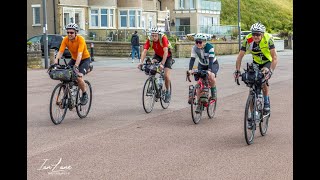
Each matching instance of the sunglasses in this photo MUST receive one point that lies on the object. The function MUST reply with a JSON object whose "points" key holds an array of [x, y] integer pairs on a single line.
{"points": [[198, 42], [70, 32], [256, 34]]}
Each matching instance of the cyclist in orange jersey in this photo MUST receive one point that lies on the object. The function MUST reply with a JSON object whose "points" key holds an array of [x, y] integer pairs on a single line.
{"points": [[80, 56]]}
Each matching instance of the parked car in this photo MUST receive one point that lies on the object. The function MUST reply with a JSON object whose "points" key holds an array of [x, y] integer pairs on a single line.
{"points": [[54, 42]]}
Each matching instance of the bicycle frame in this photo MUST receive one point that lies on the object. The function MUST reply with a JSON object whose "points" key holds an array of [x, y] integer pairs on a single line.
{"points": [[152, 88], [69, 99], [203, 83]]}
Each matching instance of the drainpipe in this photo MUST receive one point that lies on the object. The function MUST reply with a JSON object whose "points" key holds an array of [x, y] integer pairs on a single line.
{"points": [[54, 17], [157, 12], [159, 4]]}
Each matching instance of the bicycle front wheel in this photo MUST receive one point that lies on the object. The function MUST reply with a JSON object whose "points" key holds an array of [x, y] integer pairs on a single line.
{"points": [[249, 120], [164, 104], [211, 109], [148, 95], [196, 115], [83, 109], [58, 103]]}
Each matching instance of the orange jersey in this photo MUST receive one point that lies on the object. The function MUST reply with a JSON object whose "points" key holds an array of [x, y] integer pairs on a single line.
{"points": [[75, 46]]}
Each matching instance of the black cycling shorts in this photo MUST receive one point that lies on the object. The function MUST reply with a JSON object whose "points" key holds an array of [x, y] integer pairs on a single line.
{"points": [[214, 69], [168, 63], [83, 66], [267, 64]]}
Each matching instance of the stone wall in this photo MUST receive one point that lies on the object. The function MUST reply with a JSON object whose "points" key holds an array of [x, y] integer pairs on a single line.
{"points": [[183, 49], [34, 60]]}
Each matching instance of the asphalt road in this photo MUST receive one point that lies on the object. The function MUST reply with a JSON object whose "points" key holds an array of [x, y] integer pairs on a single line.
{"points": [[118, 140]]}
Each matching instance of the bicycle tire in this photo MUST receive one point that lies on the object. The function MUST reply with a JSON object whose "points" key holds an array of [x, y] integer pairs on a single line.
{"points": [[148, 91], [196, 117], [249, 132], [165, 105], [83, 110], [212, 106], [61, 105]]}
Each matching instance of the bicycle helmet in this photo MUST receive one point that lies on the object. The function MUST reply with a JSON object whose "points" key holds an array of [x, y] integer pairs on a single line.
{"points": [[155, 30], [258, 27], [72, 26], [200, 37]]}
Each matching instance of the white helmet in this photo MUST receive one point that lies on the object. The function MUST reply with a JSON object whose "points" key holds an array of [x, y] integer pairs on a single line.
{"points": [[200, 37], [258, 27], [72, 26], [155, 30]]}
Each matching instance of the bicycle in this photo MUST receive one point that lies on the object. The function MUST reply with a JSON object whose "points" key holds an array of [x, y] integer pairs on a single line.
{"points": [[154, 87], [202, 88], [254, 113], [66, 94]]}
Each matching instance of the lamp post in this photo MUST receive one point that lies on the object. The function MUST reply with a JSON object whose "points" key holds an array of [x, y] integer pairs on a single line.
{"points": [[239, 29], [45, 37]]}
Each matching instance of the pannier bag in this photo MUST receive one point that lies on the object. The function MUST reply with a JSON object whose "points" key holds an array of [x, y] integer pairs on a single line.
{"points": [[61, 74], [250, 77], [150, 69]]}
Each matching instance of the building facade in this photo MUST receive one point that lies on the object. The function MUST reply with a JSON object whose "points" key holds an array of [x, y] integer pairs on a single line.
{"points": [[116, 20]]}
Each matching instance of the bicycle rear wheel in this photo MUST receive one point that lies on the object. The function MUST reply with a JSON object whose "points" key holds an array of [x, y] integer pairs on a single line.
{"points": [[58, 103], [83, 110], [211, 109], [148, 95], [196, 116], [162, 97], [249, 120]]}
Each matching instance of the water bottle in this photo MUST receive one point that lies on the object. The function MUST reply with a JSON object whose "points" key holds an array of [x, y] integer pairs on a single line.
{"points": [[160, 81], [257, 116], [73, 93], [260, 101]]}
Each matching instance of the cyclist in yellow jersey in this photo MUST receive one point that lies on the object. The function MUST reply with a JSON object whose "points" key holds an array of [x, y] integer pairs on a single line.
{"points": [[80, 56], [260, 44]]}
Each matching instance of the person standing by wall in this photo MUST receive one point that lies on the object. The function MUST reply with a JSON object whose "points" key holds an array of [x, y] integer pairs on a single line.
{"points": [[135, 45]]}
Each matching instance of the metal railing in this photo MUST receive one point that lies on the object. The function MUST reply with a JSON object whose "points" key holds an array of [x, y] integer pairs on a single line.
{"points": [[124, 35]]}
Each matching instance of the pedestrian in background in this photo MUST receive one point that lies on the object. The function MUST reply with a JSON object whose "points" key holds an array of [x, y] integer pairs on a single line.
{"points": [[135, 45]]}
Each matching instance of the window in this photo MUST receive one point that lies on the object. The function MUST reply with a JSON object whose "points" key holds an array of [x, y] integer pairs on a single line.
{"points": [[130, 18], [181, 4], [123, 18], [36, 14], [139, 19], [101, 18], [210, 5], [186, 4], [111, 18], [104, 17], [94, 17]]}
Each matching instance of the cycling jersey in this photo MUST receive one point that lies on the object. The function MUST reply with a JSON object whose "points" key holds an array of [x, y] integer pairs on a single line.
{"points": [[207, 58], [260, 52], [158, 49], [203, 53], [76, 45]]}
